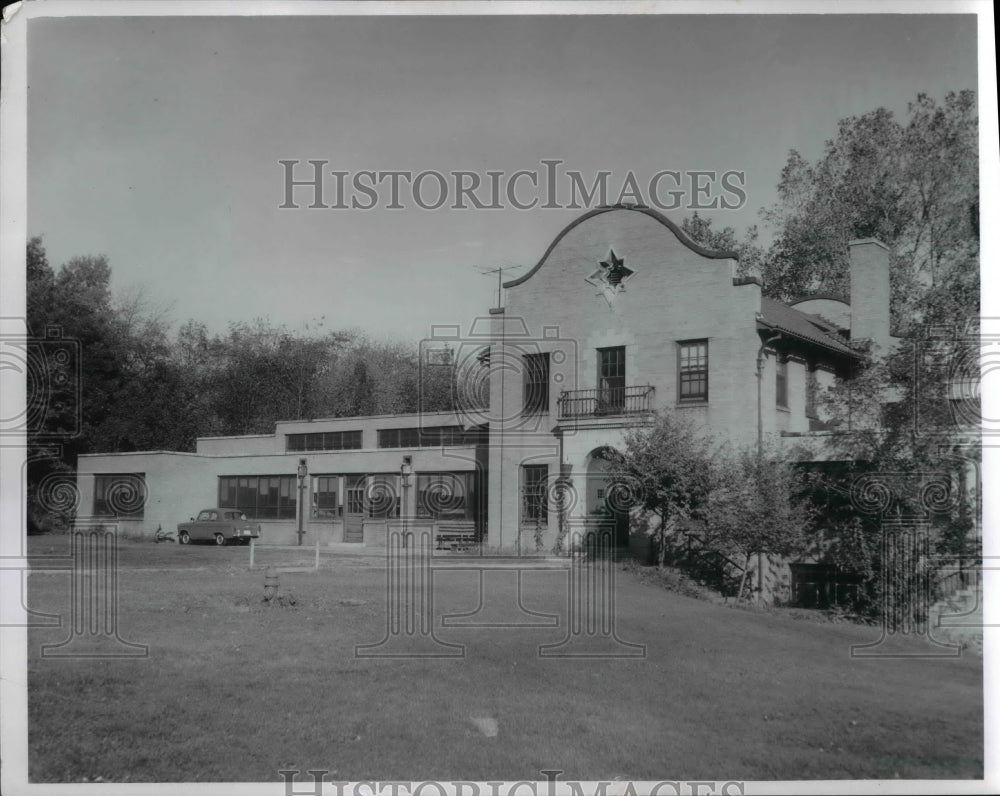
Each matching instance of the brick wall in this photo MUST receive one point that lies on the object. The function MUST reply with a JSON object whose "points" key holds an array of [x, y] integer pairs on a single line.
{"points": [[870, 292]]}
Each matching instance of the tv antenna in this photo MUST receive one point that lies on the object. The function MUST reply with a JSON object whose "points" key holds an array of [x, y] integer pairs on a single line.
{"points": [[499, 271]]}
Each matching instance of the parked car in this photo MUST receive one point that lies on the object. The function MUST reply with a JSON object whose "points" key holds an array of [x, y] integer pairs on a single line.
{"points": [[219, 525]]}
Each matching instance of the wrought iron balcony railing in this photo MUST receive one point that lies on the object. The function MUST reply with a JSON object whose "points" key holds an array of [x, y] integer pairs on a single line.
{"points": [[610, 401]]}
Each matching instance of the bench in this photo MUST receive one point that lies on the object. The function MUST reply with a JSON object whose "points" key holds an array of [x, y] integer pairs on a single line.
{"points": [[455, 535]]}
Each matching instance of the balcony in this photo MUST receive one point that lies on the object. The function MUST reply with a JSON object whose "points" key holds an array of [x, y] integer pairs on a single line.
{"points": [[607, 402]]}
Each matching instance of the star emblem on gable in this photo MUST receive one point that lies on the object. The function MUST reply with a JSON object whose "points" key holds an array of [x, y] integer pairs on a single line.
{"points": [[611, 276]]}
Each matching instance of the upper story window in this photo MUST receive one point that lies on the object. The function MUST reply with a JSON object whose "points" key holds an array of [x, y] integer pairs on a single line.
{"points": [[120, 495], [434, 437], [324, 441], [399, 438], [536, 383], [781, 382], [692, 370], [611, 377]]}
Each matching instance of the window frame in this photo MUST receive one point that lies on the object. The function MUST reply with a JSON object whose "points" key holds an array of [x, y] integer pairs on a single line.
{"points": [[696, 373], [467, 482], [394, 509], [430, 437], [103, 482], [611, 385], [781, 381], [234, 493], [354, 495], [534, 496], [331, 510], [348, 440]]}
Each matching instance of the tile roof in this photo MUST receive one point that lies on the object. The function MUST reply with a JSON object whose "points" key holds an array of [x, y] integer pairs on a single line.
{"points": [[775, 315], [827, 296]]}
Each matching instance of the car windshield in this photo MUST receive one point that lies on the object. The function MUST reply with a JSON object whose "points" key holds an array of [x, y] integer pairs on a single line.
{"points": [[205, 515]]}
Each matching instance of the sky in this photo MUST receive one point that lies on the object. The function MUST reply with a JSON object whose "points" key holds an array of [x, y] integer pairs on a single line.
{"points": [[156, 141]]}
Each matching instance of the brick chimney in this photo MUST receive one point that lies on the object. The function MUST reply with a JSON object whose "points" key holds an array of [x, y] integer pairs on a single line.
{"points": [[870, 292]]}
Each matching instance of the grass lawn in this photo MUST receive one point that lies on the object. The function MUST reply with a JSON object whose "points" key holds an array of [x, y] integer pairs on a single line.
{"points": [[235, 690]]}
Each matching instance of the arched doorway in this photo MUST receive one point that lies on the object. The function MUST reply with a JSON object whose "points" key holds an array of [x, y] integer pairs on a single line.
{"points": [[602, 498]]}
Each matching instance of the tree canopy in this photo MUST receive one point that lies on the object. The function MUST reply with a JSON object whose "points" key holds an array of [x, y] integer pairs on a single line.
{"points": [[690, 491], [913, 184]]}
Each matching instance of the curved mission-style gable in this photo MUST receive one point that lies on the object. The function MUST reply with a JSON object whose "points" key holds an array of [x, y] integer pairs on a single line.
{"points": [[648, 211]]}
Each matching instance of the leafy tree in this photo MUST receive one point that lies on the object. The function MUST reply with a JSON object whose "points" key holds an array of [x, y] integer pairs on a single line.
{"points": [[199, 358], [40, 281], [130, 394], [734, 504], [750, 254], [914, 186], [913, 414], [755, 509], [942, 185], [259, 373], [668, 467], [391, 368], [362, 399], [75, 301], [387, 377], [853, 191]]}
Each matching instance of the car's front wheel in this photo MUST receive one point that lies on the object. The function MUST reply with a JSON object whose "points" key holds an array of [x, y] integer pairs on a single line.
{"points": [[183, 537], [220, 540]]}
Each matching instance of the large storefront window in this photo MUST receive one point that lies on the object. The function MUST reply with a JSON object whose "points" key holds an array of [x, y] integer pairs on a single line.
{"points": [[376, 496], [382, 493], [260, 497], [445, 496], [326, 502], [121, 495]]}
